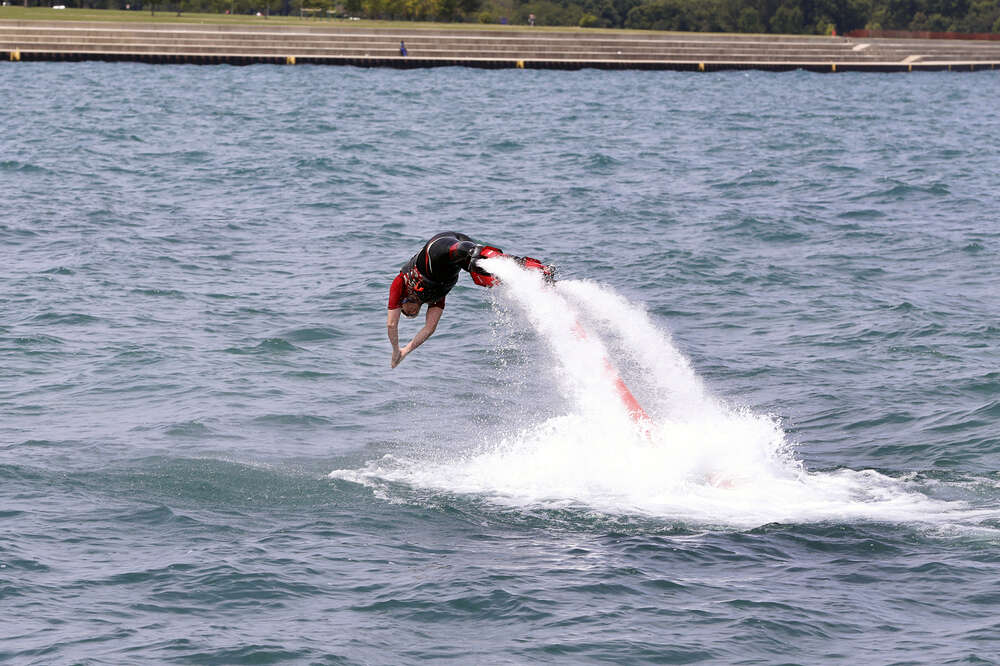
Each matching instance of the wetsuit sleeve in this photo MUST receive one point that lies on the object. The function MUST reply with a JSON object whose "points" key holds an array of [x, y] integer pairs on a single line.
{"points": [[396, 293]]}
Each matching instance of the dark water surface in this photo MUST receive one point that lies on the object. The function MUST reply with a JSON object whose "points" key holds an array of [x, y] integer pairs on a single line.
{"points": [[798, 274]]}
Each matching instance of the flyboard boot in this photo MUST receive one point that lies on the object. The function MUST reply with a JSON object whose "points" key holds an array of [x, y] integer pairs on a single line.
{"points": [[484, 278]]}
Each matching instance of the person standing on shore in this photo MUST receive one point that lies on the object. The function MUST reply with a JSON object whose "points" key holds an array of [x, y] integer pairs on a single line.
{"points": [[402, 48]]}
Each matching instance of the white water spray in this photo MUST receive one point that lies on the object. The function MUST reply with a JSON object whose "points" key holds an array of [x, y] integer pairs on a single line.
{"points": [[695, 460]]}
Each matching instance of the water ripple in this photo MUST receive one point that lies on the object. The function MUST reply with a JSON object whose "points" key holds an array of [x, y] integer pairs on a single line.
{"points": [[194, 295]]}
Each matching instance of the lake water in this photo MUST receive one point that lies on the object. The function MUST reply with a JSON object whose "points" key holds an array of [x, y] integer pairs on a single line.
{"points": [[205, 457]]}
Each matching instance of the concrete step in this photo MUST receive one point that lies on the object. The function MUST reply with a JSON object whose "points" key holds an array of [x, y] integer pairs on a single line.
{"points": [[418, 30], [419, 40], [819, 51], [336, 42], [419, 45], [432, 53], [110, 47], [422, 35]]}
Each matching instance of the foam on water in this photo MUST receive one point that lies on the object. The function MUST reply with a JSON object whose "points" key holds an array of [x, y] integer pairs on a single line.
{"points": [[695, 460]]}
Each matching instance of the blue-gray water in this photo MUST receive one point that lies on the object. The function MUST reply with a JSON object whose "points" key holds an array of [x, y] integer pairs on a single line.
{"points": [[195, 265]]}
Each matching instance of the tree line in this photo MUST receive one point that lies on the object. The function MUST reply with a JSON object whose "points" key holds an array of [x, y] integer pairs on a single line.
{"points": [[806, 17], [816, 16], [755, 16]]}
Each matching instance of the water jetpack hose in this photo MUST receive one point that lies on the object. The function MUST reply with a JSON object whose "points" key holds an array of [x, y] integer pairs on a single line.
{"points": [[486, 279], [632, 405]]}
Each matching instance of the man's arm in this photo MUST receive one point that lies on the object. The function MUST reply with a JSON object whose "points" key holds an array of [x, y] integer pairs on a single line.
{"points": [[392, 324], [430, 324]]}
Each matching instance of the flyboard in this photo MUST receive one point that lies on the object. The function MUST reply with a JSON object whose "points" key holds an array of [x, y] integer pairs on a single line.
{"points": [[632, 405]]}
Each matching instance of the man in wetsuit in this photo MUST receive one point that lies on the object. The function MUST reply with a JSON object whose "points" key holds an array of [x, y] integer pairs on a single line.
{"points": [[427, 278], [431, 273]]}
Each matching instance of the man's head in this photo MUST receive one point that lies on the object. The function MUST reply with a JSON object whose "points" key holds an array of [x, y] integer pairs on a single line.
{"points": [[411, 307]]}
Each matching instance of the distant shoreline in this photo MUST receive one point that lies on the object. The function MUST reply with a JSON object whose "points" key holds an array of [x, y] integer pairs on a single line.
{"points": [[75, 35]]}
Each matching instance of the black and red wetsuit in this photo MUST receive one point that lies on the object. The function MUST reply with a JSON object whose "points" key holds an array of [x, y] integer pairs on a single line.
{"points": [[431, 273]]}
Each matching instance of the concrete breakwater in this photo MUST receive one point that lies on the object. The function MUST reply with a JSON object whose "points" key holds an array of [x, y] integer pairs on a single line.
{"points": [[343, 44]]}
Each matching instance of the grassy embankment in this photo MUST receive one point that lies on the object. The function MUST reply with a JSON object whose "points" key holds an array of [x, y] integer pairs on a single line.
{"points": [[166, 16]]}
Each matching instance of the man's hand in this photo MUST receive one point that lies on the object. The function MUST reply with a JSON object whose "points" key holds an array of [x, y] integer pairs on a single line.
{"points": [[398, 354]]}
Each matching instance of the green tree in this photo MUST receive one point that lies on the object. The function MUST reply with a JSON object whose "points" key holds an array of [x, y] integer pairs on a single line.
{"points": [[374, 8], [983, 16], [446, 10], [788, 19], [899, 13], [547, 13], [658, 15], [749, 21], [622, 8]]}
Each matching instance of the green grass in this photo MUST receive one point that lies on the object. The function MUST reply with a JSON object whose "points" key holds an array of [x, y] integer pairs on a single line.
{"points": [[161, 16], [117, 16], [164, 16]]}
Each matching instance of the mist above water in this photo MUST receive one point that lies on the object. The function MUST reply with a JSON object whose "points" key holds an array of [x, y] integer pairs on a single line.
{"points": [[695, 459]]}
